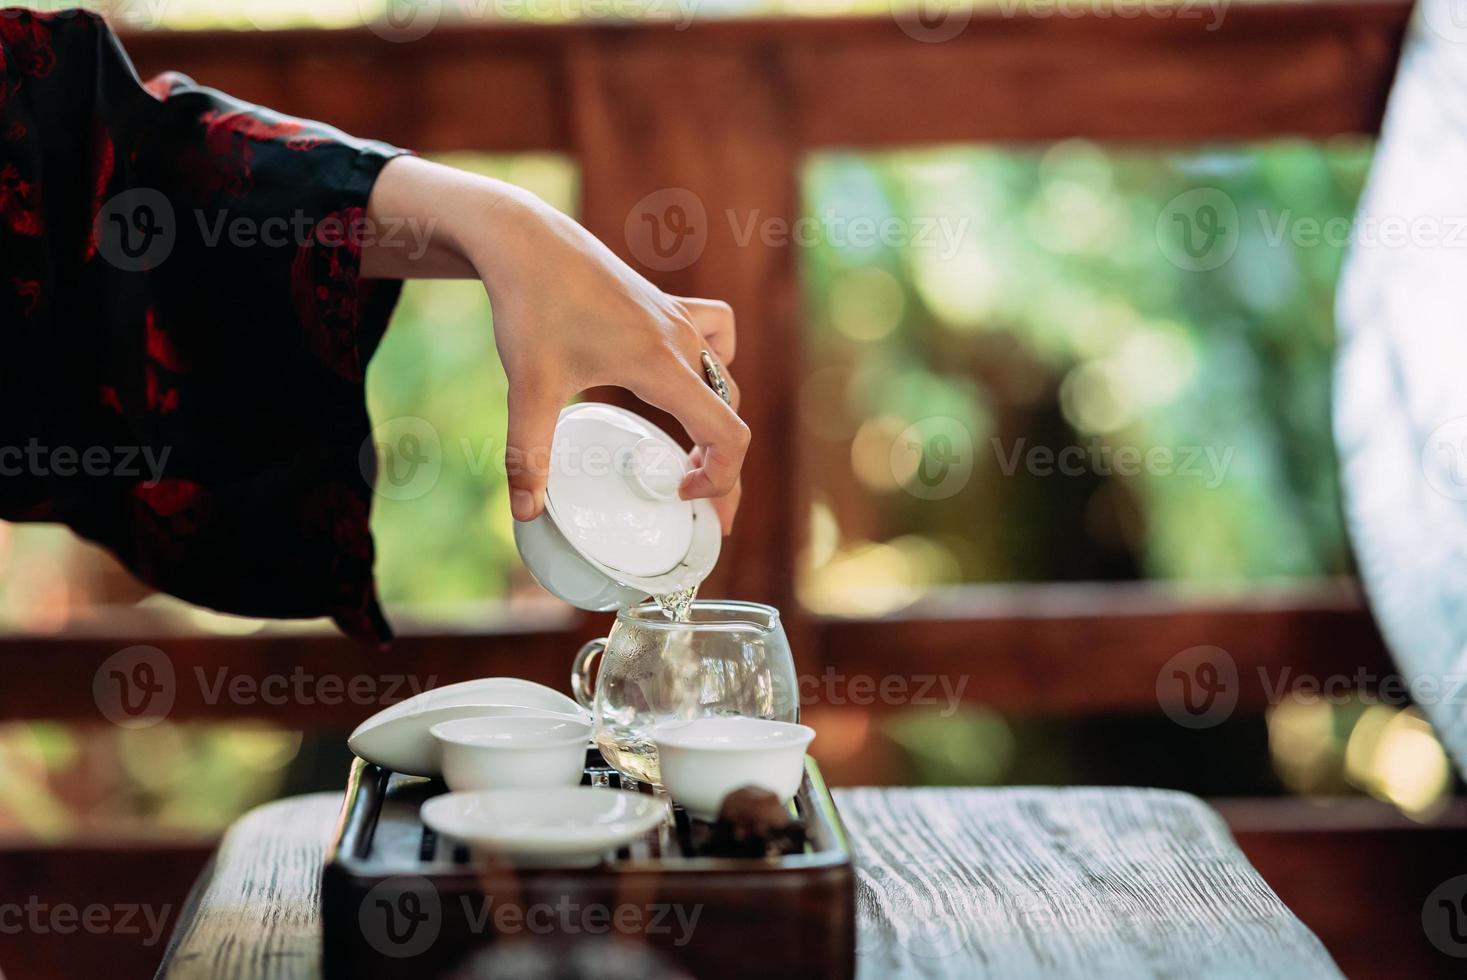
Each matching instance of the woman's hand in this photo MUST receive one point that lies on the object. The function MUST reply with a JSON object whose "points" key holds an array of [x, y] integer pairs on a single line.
{"points": [[568, 315]]}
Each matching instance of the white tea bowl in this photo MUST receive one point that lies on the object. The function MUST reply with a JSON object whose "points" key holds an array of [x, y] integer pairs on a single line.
{"points": [[567, 825], [512, 751], [705, 759]]}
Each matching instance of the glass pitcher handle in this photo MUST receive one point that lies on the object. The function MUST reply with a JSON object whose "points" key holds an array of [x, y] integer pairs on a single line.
{"points": [[581, 673]]}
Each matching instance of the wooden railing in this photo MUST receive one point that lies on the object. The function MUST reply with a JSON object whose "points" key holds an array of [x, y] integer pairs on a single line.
{"points": [[727, 110], [1045, 650]]}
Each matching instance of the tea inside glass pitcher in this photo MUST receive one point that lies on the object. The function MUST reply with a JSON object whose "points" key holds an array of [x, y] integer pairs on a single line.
{"points": [[723, 658]]}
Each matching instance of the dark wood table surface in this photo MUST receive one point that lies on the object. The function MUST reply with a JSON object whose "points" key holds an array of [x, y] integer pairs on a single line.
{"points": [[1007, 883]]}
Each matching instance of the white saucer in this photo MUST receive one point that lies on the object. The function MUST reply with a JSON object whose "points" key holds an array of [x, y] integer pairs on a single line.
{"points": [[566, 825], [397, 737]]}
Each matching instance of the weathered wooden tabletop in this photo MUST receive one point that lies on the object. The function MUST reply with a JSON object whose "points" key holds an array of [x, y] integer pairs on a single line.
{"points": [[953, 883]]}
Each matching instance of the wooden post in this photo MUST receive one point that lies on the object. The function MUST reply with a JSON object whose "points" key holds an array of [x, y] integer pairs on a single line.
{"points": [[687, 151]]}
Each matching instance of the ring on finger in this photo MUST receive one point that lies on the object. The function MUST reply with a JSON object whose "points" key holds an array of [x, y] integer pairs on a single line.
{"points": [[716, 380]]}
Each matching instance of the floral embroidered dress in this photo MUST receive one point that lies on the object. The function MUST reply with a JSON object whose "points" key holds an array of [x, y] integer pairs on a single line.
{"points": [[183, 328]]}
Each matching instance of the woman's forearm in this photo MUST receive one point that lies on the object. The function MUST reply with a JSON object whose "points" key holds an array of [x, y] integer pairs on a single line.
{"points": [[425, 203]]}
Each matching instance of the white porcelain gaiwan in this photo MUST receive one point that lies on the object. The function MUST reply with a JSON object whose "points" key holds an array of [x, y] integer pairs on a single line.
{"points": [[706, 759], [399, 736], [614, 530]]}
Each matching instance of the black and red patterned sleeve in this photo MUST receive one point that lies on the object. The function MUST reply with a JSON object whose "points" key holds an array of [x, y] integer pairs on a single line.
{"points": [[184, 329]]}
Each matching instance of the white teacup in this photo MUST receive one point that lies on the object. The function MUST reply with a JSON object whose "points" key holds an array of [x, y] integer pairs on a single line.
{"points": [[705, 759], [512, 751]]}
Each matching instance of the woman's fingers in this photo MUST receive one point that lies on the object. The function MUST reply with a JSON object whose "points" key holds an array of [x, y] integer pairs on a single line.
{"points": [[715, 427], [712, 330], [691, 340], [735, 396], [673, 379], [533, 411], [727, 506], [714, 321]]}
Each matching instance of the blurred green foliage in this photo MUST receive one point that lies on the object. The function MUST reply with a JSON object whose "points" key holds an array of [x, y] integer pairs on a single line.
{"points": [[1032, 299]]}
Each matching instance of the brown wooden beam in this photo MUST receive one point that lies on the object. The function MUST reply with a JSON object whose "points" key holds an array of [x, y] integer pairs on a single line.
{"points": [[1266, 69], [1051, 649], [1068, 649], [1359, 876], [318, 680]]}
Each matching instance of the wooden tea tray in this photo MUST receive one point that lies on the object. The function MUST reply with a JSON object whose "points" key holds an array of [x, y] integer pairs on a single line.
{"points": [[397, 901]]}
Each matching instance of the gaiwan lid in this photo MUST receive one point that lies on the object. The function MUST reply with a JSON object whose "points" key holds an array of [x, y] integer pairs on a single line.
{"points": [[614, 530]]}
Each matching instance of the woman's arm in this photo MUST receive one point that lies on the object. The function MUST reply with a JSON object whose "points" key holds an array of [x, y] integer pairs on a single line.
{"points": [[568, 315]]}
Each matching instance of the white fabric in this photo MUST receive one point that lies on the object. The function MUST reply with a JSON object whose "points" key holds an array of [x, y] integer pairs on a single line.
{"points": [[1401, 375]]}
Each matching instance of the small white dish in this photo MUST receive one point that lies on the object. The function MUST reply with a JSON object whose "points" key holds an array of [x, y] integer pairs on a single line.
{"points": [[705, 759], [397, 737], [568, 825], [512, 751]]}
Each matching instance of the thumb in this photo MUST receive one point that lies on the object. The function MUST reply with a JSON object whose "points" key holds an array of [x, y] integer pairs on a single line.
{"points": [[533, 412]]}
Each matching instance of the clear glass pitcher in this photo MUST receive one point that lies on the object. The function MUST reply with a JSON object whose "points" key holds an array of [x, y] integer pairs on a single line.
{"points": [[726, 658]]}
